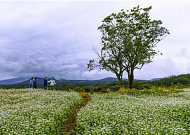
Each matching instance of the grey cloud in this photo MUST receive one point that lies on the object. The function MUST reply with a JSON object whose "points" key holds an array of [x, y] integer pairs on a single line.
{"points": [[56, 39]]}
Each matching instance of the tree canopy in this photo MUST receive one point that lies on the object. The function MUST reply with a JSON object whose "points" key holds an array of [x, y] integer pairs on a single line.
{"points": [[128, 41]]}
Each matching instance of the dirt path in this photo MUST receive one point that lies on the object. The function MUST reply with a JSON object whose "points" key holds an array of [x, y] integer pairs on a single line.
{"points": [[70, 125]]}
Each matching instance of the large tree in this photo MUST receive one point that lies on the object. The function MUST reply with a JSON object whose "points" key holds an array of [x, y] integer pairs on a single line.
{"points": [[110, 59], [128, 40]]}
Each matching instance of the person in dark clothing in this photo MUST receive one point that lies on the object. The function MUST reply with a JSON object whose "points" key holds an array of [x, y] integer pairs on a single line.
{"points": [[35, 83], [31, 83], [45, 83]]}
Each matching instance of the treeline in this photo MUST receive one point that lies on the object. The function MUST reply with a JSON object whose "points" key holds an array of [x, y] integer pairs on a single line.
{"points": [[183, 79], [171, 81], [180, 80], [25, 86], [115, 85]]}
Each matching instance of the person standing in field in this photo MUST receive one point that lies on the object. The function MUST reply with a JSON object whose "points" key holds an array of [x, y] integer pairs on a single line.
{"points": [[31, 83], [52, 83], [35, 83], [45, 83]]}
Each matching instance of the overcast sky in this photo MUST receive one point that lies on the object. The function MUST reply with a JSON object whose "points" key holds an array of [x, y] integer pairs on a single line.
{"points": [[56, 38]]}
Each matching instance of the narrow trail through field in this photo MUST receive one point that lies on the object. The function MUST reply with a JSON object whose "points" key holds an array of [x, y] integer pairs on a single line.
{"points": [[70, 124]]}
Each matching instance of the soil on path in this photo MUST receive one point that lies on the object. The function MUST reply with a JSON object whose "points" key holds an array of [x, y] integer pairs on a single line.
{"points": [[70, 124]]}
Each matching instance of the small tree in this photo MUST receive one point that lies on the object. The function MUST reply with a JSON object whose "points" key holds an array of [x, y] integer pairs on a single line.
{"points": [[128, 42], [79, 89], [64, 85]]}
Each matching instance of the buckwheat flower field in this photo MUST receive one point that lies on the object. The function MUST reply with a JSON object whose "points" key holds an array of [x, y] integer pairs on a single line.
{"points": [[35, 111], [122, 114]]}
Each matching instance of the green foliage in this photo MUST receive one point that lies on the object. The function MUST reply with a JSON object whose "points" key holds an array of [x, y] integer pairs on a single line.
{"points": [[64, 85], [124, 90], [106, 90], [173, 81], [128, 42], [142, 85], [79, 89], [153, 90]]}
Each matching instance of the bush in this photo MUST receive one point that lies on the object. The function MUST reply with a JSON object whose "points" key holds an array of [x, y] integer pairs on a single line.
{"points": [[64, 85], [79, 89], [160, 90], [116, 87], [177, 86], [91, 91], [147, 91], [70, 90], [106, 91], [84, 94], [141, 85], [124, 90]]}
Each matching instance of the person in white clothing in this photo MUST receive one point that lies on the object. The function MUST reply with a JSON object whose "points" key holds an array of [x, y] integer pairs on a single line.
{"points": [[52, 83]]}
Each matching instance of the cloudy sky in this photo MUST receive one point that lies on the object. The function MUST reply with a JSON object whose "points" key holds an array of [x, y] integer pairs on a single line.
{"points": [[56, 38]]}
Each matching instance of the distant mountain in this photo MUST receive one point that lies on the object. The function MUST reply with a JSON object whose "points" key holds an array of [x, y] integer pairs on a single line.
{"points": [[155, 79], [40, 80], [26, 80], [13, 80], [101, 81], [106, 80]]}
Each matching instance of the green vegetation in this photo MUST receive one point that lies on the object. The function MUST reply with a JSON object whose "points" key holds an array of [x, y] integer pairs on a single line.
{"points": [[128, 41], [64, 85], [35, 111], [118, 107], [172, 82], [183, 79], [79, 89], [115, 113]]}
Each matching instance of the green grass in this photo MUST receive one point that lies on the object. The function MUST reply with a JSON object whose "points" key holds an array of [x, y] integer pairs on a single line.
{"points": [[35, 111]]}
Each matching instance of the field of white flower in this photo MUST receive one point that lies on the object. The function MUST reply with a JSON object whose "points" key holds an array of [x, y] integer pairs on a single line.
{"points": [[122, 114], [35, 111]]}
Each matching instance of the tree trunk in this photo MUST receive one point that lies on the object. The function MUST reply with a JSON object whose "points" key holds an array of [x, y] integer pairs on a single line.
{"points": [[121, 83], [130, 78], [119, 77]]}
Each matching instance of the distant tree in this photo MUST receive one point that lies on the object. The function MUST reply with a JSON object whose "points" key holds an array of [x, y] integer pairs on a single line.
{"points": [[183, 79], [64, 85], [128, 42], [79, 89]]}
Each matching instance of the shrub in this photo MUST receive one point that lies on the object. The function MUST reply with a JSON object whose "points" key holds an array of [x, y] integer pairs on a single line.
{"points": [[79, 89], [147, 91], [124, 90], [106, 91], [70, 90], [177, 86], [140, 85], [84, 94], [64, 85], [91, 91], [116, 87]]}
